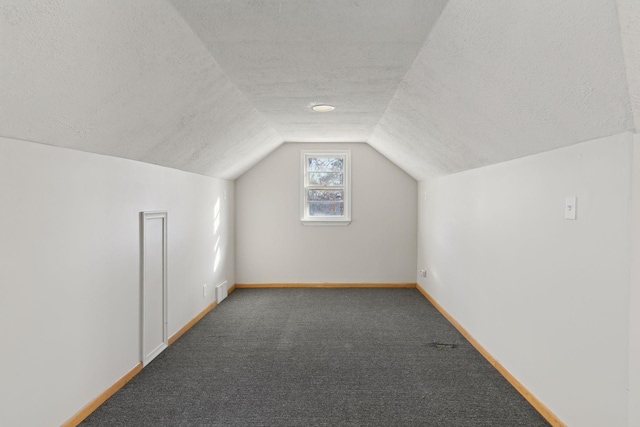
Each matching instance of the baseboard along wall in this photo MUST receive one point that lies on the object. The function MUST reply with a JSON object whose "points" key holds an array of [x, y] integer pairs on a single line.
{"points": [[83, 413], [534, 401], [192, 322], [323, 285]]}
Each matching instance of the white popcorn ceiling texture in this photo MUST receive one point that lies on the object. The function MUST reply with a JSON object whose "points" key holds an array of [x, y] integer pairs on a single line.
{"points": [[213, 86]]}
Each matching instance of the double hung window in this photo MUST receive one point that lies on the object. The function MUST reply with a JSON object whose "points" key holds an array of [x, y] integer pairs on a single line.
{"points": [[326, 187]]}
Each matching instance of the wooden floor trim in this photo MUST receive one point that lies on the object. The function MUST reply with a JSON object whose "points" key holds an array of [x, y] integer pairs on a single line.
{"points": [[83, 413], [192, 322], [323, 285], [231, 289], [95, 403], [534, 401]]}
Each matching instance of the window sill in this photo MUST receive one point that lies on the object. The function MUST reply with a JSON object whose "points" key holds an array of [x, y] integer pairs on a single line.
{"points": [[326, 223]]}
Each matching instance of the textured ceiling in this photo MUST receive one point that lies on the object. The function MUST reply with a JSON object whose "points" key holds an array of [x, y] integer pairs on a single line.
{"points": [[629, 14], [124, 78], [288, 55], [502, 79], [213, 86]]}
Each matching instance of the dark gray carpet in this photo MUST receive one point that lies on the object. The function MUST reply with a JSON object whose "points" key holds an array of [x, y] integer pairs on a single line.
{"points": [[319, 357]]}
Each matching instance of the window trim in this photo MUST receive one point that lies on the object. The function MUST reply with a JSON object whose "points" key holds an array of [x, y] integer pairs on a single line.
{"points": [[325, 220]]}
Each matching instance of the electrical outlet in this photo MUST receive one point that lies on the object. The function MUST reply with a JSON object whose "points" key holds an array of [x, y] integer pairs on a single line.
{"points": [[423, 273]]}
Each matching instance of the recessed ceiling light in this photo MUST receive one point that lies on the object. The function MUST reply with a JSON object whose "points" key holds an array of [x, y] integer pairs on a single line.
{"points": [[323, 108]]}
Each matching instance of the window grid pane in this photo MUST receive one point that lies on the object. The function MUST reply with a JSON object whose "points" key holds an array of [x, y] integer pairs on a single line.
{"points": [[325, 178], [325, 164], [325, 195], [326, 208]]}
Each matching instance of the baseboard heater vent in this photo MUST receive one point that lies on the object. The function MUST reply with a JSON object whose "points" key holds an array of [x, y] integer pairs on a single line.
{"points": [[221, 291]]}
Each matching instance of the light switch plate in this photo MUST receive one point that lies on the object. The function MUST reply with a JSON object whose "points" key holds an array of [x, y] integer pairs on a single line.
{"points": [[570, 207]]}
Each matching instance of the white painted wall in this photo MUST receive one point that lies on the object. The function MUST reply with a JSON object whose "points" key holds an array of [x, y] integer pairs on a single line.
{"points": [[69, 276], [634, 293], [272, 246], [548, 297]]}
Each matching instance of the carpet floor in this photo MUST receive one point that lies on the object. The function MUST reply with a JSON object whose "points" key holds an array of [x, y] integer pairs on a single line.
{"points": [[319, 357]]}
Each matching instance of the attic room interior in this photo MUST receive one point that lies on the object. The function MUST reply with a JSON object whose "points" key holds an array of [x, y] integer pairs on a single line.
{"points": [[471, 128]]}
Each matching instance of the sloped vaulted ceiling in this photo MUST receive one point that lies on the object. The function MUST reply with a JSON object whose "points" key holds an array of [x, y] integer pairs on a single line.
{"points": [[502, 79], [212, 86], [629, 13], [287, 55], [127, 78]]}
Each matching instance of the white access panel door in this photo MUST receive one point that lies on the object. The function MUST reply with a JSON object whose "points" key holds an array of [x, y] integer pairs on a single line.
{"points": [[154, 336]]}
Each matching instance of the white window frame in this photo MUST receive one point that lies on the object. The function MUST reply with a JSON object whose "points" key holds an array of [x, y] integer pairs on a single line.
{"points": [[305, 218]]}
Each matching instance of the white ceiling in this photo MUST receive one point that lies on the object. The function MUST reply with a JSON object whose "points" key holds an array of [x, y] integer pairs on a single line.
{"points": [[213, 86], [286, 56], [502, 79]]}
